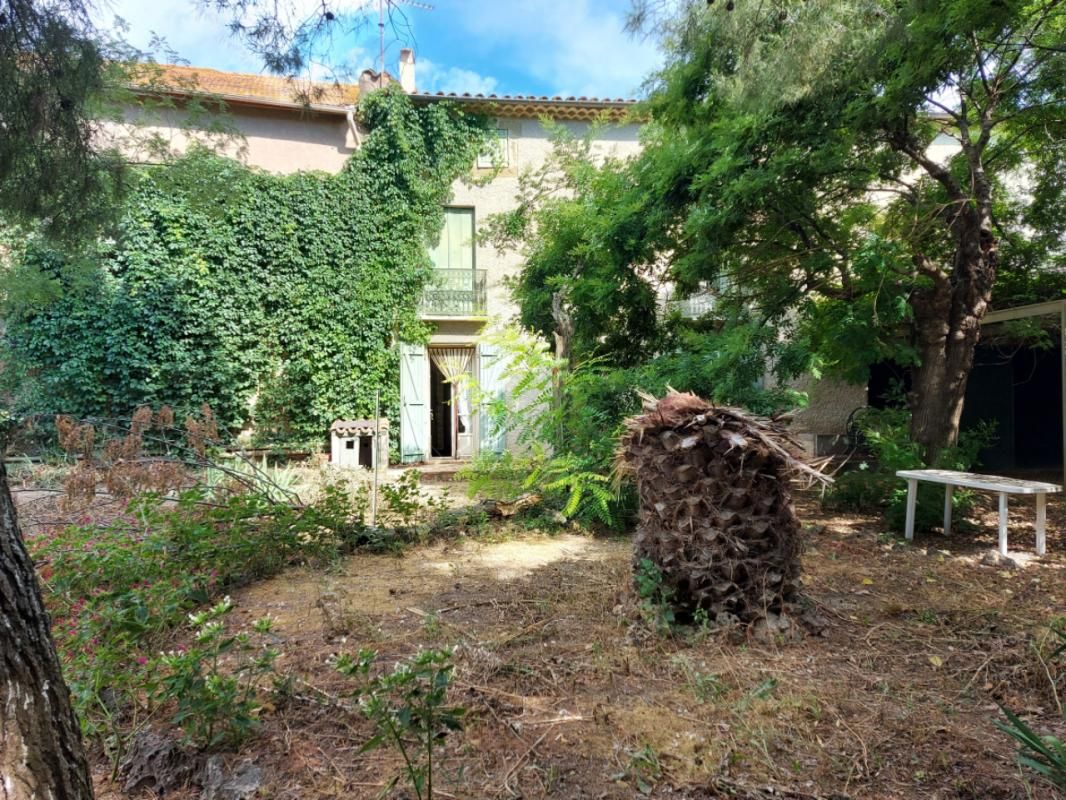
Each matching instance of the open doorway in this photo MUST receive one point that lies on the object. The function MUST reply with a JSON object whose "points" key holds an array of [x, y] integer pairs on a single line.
{"points": [[451, 422], [441, 441]]}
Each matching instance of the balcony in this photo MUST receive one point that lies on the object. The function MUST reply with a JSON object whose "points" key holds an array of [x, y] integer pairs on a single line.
{"points": [[456, 293], [694, 307]]}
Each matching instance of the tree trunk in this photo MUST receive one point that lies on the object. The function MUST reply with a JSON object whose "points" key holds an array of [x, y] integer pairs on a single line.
{"points": [[564, 335], [947, 317], [41, 754]]}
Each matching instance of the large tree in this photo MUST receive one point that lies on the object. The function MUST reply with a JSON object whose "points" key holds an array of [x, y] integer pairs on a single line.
{"points": [[55, 175], [869, 162]]}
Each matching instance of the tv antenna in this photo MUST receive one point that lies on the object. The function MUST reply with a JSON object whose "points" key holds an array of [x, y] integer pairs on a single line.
{"points": [[381, 27]]}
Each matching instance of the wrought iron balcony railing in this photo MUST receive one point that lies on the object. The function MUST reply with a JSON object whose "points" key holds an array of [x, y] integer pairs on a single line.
{"points": [[694, 307], [456, 293]]}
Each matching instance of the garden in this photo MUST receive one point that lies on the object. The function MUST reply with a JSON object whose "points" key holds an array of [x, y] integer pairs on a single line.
{"points": [[655, 590], [235, 629]]}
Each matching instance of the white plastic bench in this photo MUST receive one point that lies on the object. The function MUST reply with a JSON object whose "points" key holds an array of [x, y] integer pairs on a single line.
{"points": [[989, 483]]}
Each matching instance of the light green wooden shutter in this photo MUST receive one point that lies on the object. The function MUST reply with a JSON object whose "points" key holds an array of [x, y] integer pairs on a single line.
{"points": [[490, 378], [414, 403]]}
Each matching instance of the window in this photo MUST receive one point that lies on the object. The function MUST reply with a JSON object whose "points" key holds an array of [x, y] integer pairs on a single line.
{"points": [[496, 153], [455, 250]]}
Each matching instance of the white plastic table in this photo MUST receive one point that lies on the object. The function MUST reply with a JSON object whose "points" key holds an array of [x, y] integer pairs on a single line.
{"points": [[989, 483]]}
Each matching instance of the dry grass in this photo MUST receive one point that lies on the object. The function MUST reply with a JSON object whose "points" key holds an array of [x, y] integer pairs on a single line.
{"points": [[570, 697]]}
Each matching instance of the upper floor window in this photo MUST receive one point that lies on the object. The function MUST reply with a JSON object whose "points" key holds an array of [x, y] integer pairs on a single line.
{"points": [[497, 152], [455, 250]]}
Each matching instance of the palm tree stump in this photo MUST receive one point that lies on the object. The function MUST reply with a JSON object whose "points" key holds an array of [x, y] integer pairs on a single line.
{"points": [[716, 513]]}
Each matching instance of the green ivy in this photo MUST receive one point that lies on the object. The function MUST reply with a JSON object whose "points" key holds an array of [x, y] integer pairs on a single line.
{"points": [[277, 300]]}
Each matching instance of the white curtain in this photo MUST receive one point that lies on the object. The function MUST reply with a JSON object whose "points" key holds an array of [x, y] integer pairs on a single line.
{"points": [[454, 363]]}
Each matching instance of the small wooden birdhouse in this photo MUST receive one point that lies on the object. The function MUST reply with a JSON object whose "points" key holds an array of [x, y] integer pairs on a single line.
{"points": [[357, 442]]}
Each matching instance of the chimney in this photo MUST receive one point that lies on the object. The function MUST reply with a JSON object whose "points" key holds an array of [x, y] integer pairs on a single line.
{"points": [[407, 70]]}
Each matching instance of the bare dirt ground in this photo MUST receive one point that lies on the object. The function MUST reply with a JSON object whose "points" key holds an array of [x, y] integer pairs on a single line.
{"points": [[570, 696]]}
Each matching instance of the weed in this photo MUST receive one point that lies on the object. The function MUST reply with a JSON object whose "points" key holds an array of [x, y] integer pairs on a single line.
{"points": [[705, 686], [761, 692], [643, 768], [215, 705], [655, 597], [928, 616], [431, 625], [409, 711]]}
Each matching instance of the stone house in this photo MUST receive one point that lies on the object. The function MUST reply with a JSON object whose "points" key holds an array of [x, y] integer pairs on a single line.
{"points": [[287, 126]]}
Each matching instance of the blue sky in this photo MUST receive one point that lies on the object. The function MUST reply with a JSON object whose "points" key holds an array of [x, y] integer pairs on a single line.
{"points": [[566, 47]]}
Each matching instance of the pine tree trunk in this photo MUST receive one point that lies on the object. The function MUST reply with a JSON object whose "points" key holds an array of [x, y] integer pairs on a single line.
{"points": [[41, 753]]}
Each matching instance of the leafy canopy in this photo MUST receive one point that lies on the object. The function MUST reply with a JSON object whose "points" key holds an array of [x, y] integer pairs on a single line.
{"points": [[812, 154]]}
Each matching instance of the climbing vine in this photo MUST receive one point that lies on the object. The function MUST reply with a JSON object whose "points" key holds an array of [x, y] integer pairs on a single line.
{"points": [[277, 300]]}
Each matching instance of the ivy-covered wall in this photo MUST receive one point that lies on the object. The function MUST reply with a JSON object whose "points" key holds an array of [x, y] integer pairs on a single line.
{"points": [[278, 300]]}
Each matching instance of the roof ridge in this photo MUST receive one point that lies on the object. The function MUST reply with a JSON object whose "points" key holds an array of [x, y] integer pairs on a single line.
{"points": [[334, 96]]}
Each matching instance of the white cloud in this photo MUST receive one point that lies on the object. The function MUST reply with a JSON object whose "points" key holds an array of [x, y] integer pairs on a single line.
{"points": [[433, 77], [202, 37], [578, 47], [194, 34]]}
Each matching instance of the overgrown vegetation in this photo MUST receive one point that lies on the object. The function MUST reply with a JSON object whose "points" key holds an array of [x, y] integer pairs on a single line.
{"points": [[225, 284], [216, 705], [565, 420], [886, 447], [119, 591]]}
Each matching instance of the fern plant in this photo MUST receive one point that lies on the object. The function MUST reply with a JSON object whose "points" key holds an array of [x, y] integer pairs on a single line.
{"points": [[588, 494]]}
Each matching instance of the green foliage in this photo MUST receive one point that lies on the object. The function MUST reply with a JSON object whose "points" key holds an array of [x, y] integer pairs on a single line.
{"points": [[1044, 754], [409, 710], [226, 285], [567, 420], [405, 505], [216, 705], [656, 598], [800, 157], [705, 686], [873, 482], [115, 591], [579, 240], [643, 768], [53, 75]]}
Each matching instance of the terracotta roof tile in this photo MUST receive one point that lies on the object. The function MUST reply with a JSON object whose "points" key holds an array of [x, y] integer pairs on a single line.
{"points": [[270, 88], [236, 87]]}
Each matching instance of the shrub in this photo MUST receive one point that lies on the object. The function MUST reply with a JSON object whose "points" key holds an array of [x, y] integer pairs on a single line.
{"points": [[115, 591], [873, 483], [214, 705], [409, 710], [407, 508]]}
